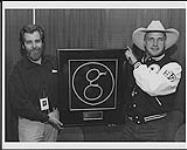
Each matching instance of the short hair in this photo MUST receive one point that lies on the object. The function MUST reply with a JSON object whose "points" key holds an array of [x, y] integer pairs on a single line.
{"points": [[31, 28]]}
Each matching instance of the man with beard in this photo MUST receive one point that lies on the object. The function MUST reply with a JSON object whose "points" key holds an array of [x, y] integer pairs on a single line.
{"points": [[32, 89], [155, 80]]}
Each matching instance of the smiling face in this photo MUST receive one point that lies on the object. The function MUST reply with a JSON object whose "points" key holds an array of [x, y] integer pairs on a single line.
{"points": [[155, 43], [33, 45]]}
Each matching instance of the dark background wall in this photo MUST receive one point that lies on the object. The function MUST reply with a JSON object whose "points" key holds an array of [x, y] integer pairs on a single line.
{"points": [[92, 28]]}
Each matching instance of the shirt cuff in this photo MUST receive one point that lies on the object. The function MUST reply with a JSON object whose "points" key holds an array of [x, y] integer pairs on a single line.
{"points": [[45, 118], [137, 64]]}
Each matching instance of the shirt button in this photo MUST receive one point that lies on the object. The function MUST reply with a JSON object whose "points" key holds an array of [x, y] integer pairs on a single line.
{"points": [[134, 93], [134, 105]]}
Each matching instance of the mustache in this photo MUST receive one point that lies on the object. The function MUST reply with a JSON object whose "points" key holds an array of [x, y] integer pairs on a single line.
{"points": [[36, 49]]}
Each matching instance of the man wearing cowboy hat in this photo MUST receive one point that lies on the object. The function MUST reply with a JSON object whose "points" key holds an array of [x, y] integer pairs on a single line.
{"points": [[156, 77]]}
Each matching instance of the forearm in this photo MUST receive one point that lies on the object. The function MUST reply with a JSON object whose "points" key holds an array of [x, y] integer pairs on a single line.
{"points": [[156, 83]]}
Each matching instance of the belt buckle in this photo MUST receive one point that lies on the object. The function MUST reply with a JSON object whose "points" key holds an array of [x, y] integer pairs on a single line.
{"points": [[130, 118], [137, 121]]}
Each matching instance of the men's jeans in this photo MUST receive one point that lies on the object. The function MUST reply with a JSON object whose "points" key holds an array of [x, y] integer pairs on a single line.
{"points": [[34, 131]]}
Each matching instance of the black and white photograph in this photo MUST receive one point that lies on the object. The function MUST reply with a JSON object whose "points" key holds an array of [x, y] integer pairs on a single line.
{"points": [[85, 74]]}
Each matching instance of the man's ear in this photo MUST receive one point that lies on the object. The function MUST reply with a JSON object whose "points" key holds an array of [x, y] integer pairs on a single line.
{"points": [[144, 42], [22, 46]]}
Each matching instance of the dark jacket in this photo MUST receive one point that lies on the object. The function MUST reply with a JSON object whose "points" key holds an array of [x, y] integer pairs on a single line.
{"points": [[25, 87], [141, 104]]}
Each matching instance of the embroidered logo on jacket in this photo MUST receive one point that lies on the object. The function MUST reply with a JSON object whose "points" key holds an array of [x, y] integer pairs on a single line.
{"points": [[169, 75]]}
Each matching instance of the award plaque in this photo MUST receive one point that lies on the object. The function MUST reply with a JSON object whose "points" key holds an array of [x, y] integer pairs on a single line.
{"points": [[91, 86]]}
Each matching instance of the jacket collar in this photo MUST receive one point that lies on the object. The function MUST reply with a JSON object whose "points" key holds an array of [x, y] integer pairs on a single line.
{"points": [[145, 58], [158, 58]]}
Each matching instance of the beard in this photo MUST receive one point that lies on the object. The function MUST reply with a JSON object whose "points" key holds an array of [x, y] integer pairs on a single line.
{"points": [[35, 54]]}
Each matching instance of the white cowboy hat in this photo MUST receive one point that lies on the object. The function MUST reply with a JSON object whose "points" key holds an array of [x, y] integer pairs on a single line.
{"points": [[138, 35]]}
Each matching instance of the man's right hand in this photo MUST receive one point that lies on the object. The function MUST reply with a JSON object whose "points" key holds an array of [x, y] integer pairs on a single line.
{"points": [[53, 120], [130, 56]]}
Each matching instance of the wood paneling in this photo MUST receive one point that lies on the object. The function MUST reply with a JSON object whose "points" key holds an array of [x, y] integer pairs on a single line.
{"points": [[90, 28], [104, 28], [109, 28], [14, 21], [93, 28]]}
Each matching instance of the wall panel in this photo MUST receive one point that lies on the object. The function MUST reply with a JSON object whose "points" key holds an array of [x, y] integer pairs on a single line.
{"points": [[14, 20], [108, 28], [93, 28], [104, 28]]}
